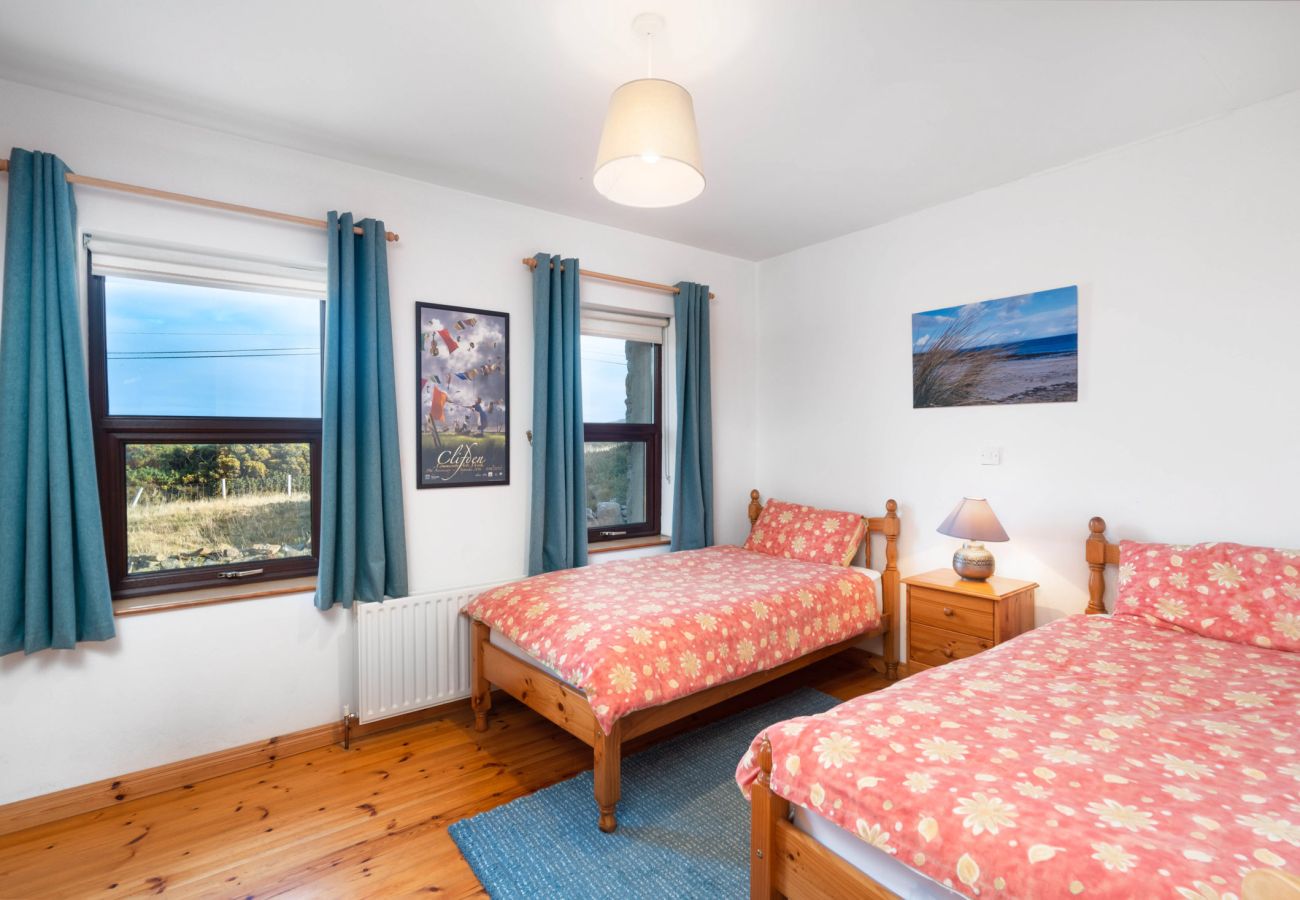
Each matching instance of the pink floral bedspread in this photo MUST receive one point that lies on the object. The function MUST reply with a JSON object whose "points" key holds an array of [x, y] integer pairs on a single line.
{"points": [[1095, 756], [642, 632]]}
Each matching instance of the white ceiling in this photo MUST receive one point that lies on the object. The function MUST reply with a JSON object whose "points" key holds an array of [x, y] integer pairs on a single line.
{"points": [[816, 118]]}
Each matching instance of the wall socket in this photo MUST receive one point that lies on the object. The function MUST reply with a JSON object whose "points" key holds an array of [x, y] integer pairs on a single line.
{"points": [[990, 456]]}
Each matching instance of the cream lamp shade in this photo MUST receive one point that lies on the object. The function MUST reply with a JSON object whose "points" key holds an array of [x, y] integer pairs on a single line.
{"points": [[649, 152], [973, 520]]}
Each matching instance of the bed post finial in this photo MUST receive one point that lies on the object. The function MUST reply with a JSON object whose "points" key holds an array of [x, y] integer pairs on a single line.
{"points": [[891, 536], [755, 507], [1095, 551], [1270, 884]]}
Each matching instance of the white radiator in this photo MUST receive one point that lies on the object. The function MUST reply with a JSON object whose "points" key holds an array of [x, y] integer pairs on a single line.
{"points": [[412, 653]]}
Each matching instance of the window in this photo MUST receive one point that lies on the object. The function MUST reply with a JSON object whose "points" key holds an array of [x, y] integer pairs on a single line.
{"points": [[206, 404], [622, 399]]}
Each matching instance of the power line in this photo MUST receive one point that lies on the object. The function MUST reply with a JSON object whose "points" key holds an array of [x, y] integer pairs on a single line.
{"points": [[203, 352], [242, 354], [224, 333]]}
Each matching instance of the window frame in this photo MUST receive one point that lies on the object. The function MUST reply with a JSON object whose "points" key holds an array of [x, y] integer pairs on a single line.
{"points": [[649, 434], [113, 433]]}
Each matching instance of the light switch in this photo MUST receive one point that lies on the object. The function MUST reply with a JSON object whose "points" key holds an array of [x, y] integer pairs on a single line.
{"points": [[991, 456]]}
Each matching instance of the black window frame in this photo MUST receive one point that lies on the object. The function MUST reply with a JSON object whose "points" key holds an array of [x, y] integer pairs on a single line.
{"points": [[112, 434], [649, 434]]}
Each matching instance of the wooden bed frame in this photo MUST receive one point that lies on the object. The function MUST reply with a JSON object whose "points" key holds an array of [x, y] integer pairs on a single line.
{"points": [[787, 862], [568, 708]]}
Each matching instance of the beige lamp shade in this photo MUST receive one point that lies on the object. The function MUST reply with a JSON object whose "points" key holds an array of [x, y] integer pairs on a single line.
{"points": [[649, 152], [973, 520]]}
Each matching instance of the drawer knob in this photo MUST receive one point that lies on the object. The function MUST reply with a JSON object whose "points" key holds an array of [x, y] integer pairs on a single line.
{"points": [[947, 651], [984, 645], [947, 611]]}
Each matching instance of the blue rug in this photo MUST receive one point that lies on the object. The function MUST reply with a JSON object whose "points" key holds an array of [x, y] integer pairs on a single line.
{"points": [[683, 826]]}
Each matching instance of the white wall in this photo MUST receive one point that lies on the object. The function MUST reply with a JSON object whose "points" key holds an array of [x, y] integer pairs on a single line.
{"points": [[1186, 251], [177, 684]]}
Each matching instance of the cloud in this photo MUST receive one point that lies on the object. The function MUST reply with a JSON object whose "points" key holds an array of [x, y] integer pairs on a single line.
{"points": [[488, 348]]}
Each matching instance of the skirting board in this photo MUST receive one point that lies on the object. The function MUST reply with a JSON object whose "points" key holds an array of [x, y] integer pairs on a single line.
{"points": [[101, 794], [22, 814]]}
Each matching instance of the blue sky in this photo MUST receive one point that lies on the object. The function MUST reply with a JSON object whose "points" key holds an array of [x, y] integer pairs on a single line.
{"points": [[604, 379], [176, 350], [1022, 318]]}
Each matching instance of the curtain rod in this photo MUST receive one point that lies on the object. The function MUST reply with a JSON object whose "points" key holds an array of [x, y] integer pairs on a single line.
{"points": [[619, 279], [197, 201]]}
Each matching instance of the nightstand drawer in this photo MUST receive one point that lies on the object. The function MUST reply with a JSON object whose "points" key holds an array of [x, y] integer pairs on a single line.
{"points": [[936, 646], [969, 616]]}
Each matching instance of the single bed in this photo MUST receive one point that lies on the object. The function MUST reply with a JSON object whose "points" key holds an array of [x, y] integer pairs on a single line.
{"points": [[502, 642], [1112, 756], [616, 650]]}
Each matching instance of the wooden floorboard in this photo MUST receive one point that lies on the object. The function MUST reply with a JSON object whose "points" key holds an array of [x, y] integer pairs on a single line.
{"points": [[366, 822]]}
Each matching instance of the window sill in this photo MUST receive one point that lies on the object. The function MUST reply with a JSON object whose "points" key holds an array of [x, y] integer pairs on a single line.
{"points": [[138, 606], [633, 543]]}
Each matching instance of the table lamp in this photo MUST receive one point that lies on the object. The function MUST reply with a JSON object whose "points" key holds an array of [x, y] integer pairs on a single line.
{"points": [[973, 521]]}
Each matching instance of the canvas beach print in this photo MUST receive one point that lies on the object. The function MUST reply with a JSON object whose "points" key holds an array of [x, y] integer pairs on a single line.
{"points": [[1021, 349], [463, 394]]}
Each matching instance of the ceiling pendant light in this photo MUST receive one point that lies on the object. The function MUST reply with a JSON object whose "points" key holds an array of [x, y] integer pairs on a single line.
{"points": [[649, 152]]}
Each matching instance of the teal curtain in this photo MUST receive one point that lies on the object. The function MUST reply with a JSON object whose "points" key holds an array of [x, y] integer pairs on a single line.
{"points": [[362, 529], [693, 481], [557, 537], [53, 577]]}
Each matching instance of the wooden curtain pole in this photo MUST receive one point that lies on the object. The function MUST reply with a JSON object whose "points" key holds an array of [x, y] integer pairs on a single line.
{"points": [[197, 201], [618, 279]]}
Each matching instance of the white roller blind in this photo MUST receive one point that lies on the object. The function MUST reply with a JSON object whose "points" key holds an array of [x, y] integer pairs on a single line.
{"points": [[624, 326], [137, 258]]}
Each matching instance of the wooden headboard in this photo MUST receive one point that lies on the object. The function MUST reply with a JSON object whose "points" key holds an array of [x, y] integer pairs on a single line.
{"points": [[1100, 553], [888, 525]]}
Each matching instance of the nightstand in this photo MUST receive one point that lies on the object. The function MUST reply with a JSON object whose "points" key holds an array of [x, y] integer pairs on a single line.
{"points": [[950, 618]]}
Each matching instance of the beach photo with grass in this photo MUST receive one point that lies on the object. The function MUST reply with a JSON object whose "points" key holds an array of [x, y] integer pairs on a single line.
{"points": [[1022, 349]]}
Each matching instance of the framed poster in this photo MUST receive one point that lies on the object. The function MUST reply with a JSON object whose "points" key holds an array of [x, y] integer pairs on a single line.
{"points": [[1021, 349], [462, 396]]}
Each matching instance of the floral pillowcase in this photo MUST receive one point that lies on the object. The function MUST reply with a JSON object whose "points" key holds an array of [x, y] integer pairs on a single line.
{"points": [[1250, 595], [805, 532]]}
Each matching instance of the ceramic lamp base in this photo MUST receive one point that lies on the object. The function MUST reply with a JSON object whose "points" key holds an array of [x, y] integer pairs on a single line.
{"points": [[973, 561]]}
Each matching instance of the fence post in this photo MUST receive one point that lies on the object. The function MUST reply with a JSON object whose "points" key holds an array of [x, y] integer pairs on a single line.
{"points": [[136, 501], [289, 476], [223, 489]]}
